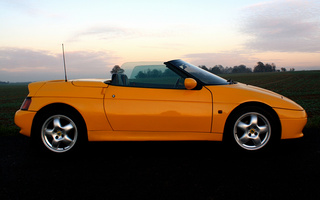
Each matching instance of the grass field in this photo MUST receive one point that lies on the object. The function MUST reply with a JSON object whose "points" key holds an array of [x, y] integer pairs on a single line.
{"points": [[303, 87], [11, 98]]}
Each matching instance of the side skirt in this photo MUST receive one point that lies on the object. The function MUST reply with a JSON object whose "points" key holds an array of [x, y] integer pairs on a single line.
{"points": [[152, 136]]}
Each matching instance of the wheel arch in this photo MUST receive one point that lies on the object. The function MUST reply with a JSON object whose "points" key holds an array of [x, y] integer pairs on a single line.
{"points": [[57, 106], [255, 104]]}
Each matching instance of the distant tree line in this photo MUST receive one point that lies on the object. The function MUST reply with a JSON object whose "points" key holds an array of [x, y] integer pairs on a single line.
{"points": [[219, 69], [259, 67], [155, 73], [2, 82]]}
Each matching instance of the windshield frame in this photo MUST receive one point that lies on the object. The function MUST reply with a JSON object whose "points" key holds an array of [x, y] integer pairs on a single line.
{"points": [[201, 75]]}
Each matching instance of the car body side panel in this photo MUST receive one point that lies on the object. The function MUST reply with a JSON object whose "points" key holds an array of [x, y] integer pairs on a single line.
{"points": [[162, 110], [85, 96], [90, 109], [221, 112]]}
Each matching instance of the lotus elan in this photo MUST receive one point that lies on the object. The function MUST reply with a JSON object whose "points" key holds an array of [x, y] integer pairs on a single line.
{"points": [[148, 101]]}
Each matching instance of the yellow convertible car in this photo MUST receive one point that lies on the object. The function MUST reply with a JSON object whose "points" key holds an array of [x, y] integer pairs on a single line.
{"points": [[170, 101]]}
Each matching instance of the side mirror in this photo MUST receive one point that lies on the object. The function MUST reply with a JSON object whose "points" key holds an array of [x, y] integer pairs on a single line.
{"points": [[190, 83]]}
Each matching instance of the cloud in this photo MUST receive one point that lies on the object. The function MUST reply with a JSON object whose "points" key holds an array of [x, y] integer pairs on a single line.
{"points": [[19, 65], [104, 33], [232, 58], [22, 60], [111, 32], [285, 26], [29, 8]]}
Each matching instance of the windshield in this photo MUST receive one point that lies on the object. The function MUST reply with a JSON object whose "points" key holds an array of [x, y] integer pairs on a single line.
{"points": [[204, 76]]}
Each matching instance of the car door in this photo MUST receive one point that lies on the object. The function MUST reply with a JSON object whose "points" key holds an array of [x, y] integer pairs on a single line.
{"points": [[157, 105]]}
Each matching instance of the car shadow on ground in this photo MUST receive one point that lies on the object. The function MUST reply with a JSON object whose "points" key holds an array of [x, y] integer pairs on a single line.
{"points": [[161, 170]]}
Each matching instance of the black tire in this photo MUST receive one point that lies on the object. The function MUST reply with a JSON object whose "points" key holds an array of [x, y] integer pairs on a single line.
{"points": [[251, 129], [59, 132]]}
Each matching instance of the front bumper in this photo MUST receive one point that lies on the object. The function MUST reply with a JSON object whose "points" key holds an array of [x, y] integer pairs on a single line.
{"points": [[23, 119], [292, 122]]}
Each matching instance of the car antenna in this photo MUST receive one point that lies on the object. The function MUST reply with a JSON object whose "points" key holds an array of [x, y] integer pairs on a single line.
{"points": [[64, 64]]}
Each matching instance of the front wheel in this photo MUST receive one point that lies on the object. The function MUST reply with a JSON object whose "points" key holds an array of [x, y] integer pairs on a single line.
{"points": [[252, 128]]}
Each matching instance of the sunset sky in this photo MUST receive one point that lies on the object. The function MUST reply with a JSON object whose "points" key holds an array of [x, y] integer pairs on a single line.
{"points": [[99, 34]]}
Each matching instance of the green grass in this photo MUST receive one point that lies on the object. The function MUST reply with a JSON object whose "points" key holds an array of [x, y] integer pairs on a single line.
{"points": [[11, 98], [303, 87]]}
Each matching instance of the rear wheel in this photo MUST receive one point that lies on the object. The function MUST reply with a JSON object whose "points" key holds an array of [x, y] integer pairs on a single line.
{"points": [[59, 132], [252, 128]]}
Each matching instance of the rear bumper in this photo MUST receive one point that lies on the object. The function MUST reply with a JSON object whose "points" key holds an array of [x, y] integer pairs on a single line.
{"points": [[292, 123], [23, 119]]}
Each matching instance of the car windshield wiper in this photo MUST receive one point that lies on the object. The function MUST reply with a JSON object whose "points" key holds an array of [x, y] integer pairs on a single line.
{"points": [[230, 81]]}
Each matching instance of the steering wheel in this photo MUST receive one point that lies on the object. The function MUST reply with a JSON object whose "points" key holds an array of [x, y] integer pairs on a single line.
{"points": [[177, 82]]}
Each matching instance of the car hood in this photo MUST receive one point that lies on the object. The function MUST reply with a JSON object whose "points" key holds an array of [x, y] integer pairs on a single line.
{"points": [[241, 93]]}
